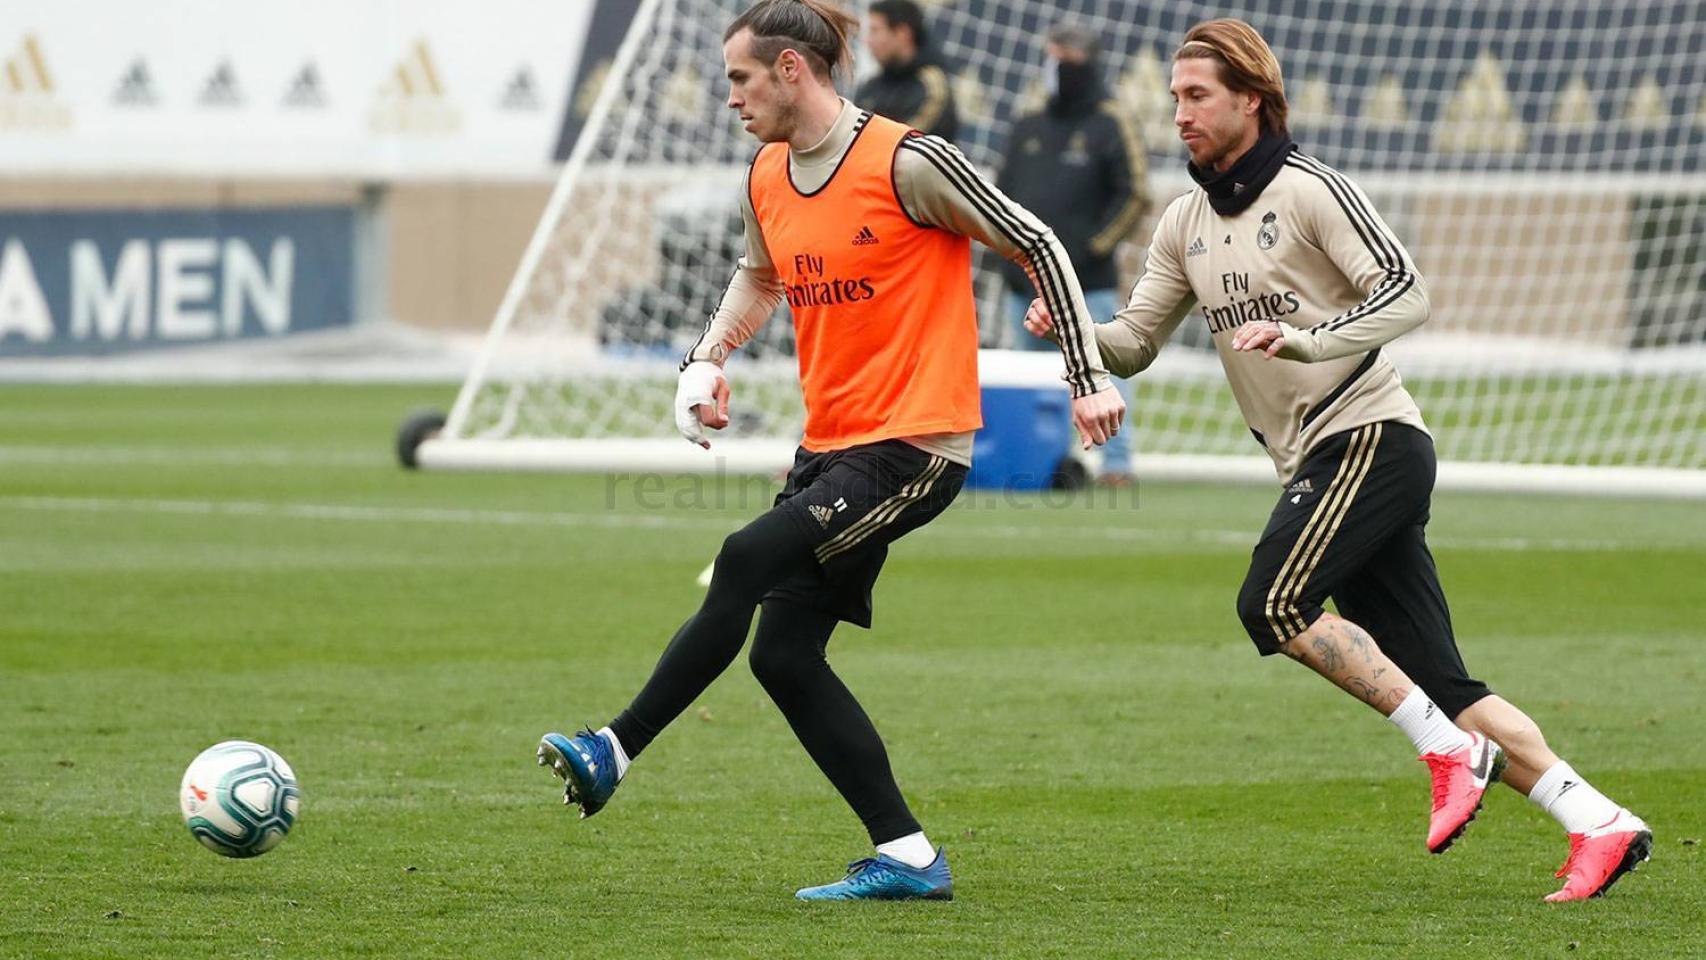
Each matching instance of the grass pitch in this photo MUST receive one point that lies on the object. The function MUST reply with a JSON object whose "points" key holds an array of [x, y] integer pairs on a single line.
{"points": [[1067, 698]]}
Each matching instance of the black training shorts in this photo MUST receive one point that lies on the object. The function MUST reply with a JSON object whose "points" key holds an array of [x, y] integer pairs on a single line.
{"points": [[1350, 526], [852, 504]]}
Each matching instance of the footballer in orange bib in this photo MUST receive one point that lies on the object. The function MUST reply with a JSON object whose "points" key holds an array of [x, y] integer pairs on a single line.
{"points": [[864, 228]]}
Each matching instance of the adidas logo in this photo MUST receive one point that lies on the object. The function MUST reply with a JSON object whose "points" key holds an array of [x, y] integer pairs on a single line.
{"points": [[305, 91], [1197, 248], [27, 96], [1297, 490], [416, 75], [822, 513], [221, 88], [136, 87], [26, 70], [864, 238], [521, 93], [413, 98]]}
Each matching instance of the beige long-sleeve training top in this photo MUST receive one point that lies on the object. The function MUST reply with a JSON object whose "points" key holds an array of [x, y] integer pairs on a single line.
{"points": [[1312, 254]]}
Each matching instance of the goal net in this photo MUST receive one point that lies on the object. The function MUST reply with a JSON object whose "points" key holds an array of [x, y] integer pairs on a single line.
{"points": [[1545, 164]]}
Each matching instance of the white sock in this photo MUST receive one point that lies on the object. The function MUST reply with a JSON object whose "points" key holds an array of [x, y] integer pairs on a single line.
{"points": [[1571, 800], [912, 850], [616, 748], [1427, 725]]}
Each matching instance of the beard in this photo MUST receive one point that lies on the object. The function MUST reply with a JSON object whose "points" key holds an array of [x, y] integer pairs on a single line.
{"points": [[782, 126], [1217, 149], [1211, 159], [784, 117]]}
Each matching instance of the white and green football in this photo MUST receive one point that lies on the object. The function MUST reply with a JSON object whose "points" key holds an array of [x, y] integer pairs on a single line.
{"points": [[239, 798]]}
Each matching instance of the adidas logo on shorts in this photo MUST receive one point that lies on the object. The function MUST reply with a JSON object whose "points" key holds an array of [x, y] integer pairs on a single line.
{"points": [[864, 237], [1298, 489], [822, 513]]}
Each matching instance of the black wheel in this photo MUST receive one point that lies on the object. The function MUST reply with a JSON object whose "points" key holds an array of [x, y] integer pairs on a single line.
{"points": [[420, 425], [1070, 473]]}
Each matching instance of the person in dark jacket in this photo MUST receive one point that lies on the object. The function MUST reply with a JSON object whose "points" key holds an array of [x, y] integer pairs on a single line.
{"points": [[913, 87], [1080, 165]]}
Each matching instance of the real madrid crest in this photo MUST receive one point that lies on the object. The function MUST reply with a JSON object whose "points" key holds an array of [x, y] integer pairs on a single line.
{"points": [[1268, 235]]}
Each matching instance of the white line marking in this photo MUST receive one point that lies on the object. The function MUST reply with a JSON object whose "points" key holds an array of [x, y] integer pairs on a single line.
{"points": [[682, 520], [318, 511], [186, 456]]}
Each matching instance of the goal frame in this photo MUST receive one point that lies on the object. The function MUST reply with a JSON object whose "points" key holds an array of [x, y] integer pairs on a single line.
{"points": [[452, 448]]}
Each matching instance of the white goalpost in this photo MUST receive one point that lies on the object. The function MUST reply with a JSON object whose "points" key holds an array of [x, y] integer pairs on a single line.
{"points": [[1546, 168]]}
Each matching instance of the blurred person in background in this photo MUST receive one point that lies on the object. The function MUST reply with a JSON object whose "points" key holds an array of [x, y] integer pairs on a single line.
{"points": [[912, 86], [1079, 165]]}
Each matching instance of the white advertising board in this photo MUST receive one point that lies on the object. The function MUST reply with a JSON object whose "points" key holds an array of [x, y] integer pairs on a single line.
{"points": [[380, 89]]}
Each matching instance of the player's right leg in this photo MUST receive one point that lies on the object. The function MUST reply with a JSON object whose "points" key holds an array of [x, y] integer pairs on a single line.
{"points": [[1346, 501], [753, 560], [1395, 594]]}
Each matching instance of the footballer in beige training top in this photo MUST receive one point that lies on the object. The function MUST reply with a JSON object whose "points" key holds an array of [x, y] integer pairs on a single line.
{"points": [[1300, 283]]}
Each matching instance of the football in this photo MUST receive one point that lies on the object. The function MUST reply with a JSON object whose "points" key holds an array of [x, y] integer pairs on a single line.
{"points": [[239, 798]]}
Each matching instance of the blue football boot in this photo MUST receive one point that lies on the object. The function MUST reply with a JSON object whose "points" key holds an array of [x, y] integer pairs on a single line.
{"points": [[587, 765], [880, 878]]}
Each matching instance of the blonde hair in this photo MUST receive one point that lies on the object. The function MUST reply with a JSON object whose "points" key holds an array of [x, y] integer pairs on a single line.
{"points": [[1247, 64]]}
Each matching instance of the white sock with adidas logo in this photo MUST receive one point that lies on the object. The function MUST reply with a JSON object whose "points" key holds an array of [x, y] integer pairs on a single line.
{"points": [[1571, 800], [1427, 725]]}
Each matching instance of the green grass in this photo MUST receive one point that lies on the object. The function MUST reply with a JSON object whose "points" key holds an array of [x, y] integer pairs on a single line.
{"points": [[1065, 692]]}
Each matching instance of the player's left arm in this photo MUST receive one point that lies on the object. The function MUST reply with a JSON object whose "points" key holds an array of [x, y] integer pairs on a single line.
{"points": [[939, 187], [1341, 221]]}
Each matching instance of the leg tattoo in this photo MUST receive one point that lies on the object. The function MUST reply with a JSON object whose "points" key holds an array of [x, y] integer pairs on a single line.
{"points": [[1344, 653]]}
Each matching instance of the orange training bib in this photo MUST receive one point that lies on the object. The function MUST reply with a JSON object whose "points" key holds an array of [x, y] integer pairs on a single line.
{"points": [[883, 311]]}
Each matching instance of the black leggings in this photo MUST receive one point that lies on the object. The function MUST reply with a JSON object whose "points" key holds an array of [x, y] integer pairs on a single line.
{"points": [[788, 659]]}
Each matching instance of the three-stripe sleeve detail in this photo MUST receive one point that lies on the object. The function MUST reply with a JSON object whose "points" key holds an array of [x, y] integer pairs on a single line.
{"points": [[1388, 255], [1050, 276]]}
